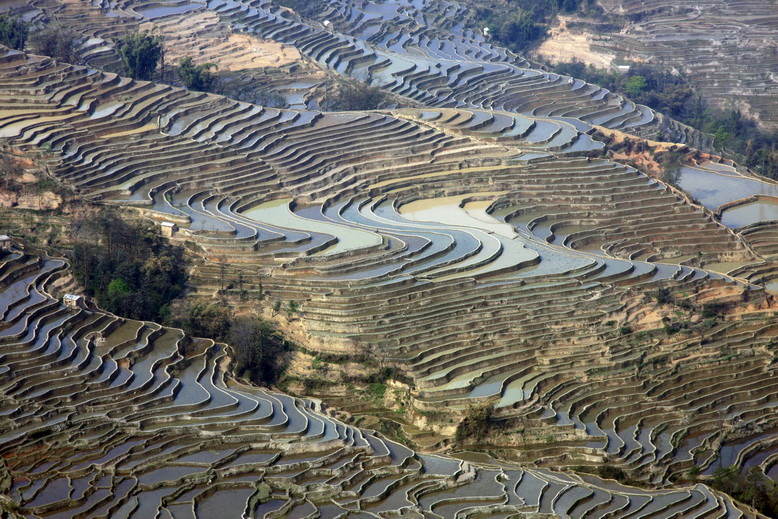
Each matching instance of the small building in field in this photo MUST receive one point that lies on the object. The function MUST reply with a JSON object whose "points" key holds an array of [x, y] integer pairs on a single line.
{"points": [[168, 229], [5, 242], [73, 301], [621, 65]]}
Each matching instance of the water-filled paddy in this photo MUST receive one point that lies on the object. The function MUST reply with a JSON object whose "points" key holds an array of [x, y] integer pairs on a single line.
{"points": [[501, 247], [278, 213], [166, 10], [765, 210], [713, 189]]}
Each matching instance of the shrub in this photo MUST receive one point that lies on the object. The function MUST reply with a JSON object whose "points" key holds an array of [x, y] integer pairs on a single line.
{"points": [[672, 328], [357, 96], [711, 310], [269, 98], [685, 305], [315, 385], [304, 7], [381, 376], [611, 472], [292, 308], [377, 391], [476, 423]]}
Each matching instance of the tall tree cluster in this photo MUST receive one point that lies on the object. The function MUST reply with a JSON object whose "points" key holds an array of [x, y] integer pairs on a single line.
{"points": [[196, 77], [356, 95], [673, 95], [13, 32], [521, 24], [259, 349], [140, 53], [128, 267], [57, 42]]}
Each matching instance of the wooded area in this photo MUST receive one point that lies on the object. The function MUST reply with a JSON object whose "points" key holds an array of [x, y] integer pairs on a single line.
{"points": [[128, 267]]}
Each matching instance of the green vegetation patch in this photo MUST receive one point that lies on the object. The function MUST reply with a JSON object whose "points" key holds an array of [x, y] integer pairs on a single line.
{"points": [[673, 95], [127, 266]]}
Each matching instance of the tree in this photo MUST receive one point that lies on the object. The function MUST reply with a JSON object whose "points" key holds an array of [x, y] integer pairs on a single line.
{"points": [[575, 68], [196, 77], [611, 472], [259, 349], [672, 165], [118, 288], [9, 170], [636, 85], [13, 32], [664, 296], [57, 42], [751, 487], [672, 94], [140, 53], [720, 138], [292, 309]]}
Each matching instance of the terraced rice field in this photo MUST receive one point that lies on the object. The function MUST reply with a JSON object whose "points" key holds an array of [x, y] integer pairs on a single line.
{"points": [[159, 428], [726, 49], [249, 68], [413, 48], [484, 268], [483, 245], [417, 49]]}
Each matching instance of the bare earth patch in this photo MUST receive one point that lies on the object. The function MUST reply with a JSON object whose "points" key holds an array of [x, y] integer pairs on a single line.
{"points": [[200, 36], [641, 155], [264, 53], [563, 45]]}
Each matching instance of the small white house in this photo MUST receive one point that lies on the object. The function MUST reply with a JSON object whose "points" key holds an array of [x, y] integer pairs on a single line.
{"points": [[5, 242], [621, 65], [327, 24], [168, 229], [73, 301]]}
